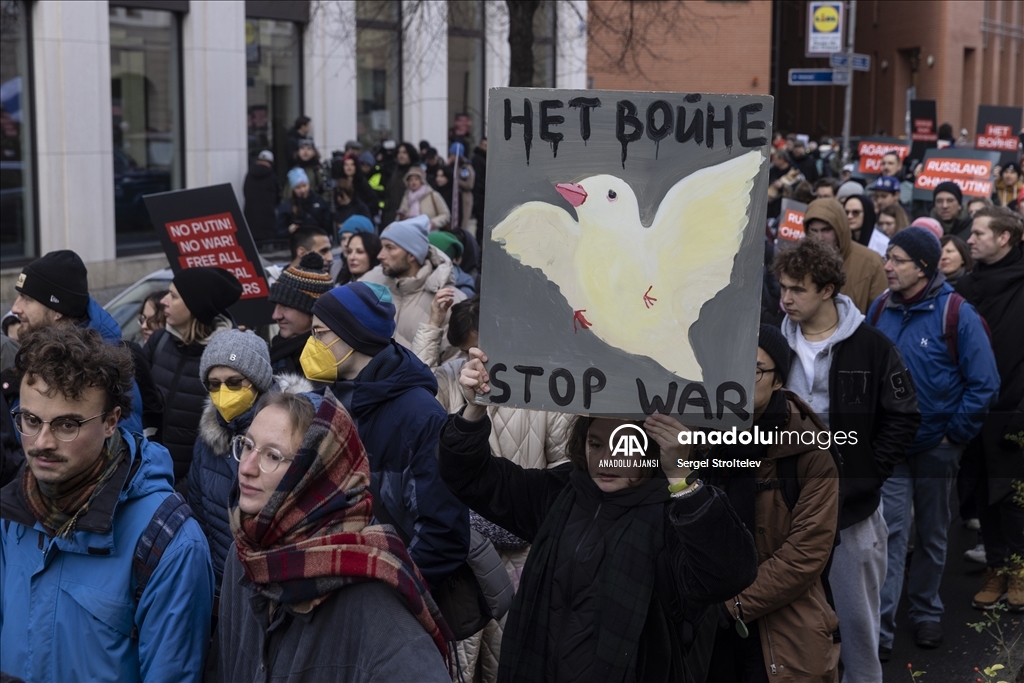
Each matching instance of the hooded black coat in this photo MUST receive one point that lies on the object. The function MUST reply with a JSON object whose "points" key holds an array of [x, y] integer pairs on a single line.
{"points": [[261, 190]]}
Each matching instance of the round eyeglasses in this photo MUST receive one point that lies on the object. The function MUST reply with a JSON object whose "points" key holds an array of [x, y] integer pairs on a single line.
{"points": [[269, 458], [64, 428]]}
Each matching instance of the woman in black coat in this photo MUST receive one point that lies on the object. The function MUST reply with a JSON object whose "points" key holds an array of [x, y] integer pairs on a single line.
{"points": [[196, 308], [626, 564]]}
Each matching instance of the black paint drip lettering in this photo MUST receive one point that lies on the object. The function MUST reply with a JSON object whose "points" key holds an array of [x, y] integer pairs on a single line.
{"points": [[701, 399], [506, 390], [745, 126], [736, 407], [655, 403], [593, 382], [529, 371], [570, 387], [653, 132], [725, 124], [625, 113], [547, 120], [526, 120], [585, 104], [696, 129], [693, 97]]}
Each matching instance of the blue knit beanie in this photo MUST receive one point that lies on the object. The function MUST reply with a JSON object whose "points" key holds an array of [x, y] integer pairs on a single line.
{"points": [[361, 313], [297, 176], [356, 224], [921, 246], [411, 235]]}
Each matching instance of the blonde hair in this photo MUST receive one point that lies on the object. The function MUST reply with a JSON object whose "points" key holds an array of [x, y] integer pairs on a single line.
{"points": [[196, 331]]}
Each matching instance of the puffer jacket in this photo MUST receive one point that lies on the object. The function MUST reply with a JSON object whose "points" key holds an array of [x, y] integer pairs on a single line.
{"points": [[787, 598], [214, 471], [865, 276], [412, 295], [175, 369], [67, 610]]}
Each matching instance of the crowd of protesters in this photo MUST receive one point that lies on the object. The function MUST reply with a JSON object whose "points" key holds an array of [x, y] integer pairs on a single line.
{"points": [[332, 504]]}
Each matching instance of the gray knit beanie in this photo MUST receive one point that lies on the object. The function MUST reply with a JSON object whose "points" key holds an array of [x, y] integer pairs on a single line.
{"points": [[241, 351]]}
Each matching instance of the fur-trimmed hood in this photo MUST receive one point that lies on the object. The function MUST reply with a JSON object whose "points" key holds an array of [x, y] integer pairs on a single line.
{"points": [[218, 434]]}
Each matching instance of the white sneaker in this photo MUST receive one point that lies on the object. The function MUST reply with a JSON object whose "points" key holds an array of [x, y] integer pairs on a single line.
{"points": [[973, 524], [976, 554]]}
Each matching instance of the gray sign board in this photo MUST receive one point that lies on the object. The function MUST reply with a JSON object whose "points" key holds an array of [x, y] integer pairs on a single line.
{"points": [[622, 252]]}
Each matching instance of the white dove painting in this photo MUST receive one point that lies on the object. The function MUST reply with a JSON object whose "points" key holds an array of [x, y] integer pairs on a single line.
{"points": [[637, 288]]}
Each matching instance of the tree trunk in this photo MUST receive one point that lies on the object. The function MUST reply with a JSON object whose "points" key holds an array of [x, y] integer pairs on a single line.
{"points": [[520, 41]]}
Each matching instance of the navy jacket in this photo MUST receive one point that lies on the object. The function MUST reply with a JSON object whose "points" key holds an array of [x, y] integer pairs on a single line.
{"points": [[399, 422]]}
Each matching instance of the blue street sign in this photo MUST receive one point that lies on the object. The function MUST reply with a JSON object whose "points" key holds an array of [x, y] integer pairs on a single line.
{"points": [[810, 77], [838, 60]]}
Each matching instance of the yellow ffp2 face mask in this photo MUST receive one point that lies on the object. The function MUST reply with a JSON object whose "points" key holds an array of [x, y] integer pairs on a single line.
{"points": [[317, 361], [230, 404]]}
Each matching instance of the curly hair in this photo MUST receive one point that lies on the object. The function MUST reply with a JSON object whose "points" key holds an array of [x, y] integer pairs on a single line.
{"points": [[811, 257], [71, 359], [576, 444]]}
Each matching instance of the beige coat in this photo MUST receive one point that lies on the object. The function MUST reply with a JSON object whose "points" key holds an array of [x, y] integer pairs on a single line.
{"points": [[412, 295], [865, 276], [432, 206]]}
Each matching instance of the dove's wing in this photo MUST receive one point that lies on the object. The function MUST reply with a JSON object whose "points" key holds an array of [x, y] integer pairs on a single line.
{"points": [[545, 237], [698, 228]]}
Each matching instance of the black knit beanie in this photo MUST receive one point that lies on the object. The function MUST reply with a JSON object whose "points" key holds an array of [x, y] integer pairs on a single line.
{"points": [[950, 187], [921, 245], [207, 292], [58, 281], [771, 339]]}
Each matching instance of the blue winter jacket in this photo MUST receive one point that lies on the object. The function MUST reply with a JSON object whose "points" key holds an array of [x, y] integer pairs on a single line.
{"points": [[67, 607], [102, 322], [953, 397], [399, 421]]}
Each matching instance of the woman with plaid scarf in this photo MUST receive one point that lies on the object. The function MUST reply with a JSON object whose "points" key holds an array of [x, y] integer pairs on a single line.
{"points": [[626, 564], [313, 592]]}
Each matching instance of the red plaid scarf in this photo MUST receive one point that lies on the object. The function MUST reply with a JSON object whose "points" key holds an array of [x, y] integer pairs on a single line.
{"points": [[312, 538]]}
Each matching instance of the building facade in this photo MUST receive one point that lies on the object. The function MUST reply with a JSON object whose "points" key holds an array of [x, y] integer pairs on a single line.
{"points": [[105, 102]]}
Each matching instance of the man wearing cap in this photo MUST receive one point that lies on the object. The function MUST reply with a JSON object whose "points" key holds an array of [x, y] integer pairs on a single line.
{"points": [[414, 271], [293, 296], [948, 210], [261, 190], [885, 191], [825, 219], [54, 290], [390, 394], [452, 247], [955, 383], [833, 344]]}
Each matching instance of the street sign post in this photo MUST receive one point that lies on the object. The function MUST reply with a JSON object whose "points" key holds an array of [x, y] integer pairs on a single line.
{"points": [[840, 60], [841, 76]]}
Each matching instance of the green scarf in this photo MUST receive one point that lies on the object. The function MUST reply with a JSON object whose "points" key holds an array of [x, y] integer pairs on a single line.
{"points": [[626, 579], [58, 506]]}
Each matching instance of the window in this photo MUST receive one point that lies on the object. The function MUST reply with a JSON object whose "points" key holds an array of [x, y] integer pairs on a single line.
{"points": [[378, 71], [466, 91], [145, 93], [544, 22], [273, 57], [17, 222]]}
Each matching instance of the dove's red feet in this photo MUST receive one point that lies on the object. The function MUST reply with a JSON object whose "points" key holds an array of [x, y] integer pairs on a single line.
{"points": [[577, 317], [649, 300]]}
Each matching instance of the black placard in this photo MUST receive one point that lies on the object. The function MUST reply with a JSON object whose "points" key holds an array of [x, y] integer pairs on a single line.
{"points": [[991, 134], [204, 227], [923, 127]]}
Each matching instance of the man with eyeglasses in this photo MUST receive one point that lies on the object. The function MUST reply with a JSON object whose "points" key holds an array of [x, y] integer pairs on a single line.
{"points": [[53, 290], [948, 199], [72, 524], [855, 380], [950, 359], [390, 395]]}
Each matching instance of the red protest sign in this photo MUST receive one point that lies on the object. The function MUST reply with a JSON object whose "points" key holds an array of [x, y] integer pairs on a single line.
{"points": [[974, 176], [791, 221], [212, 241], [871, 153], [924, 131], [997, 137]]}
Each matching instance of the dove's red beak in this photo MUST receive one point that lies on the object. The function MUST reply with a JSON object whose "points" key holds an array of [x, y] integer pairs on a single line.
{"points": [[573, 193]]}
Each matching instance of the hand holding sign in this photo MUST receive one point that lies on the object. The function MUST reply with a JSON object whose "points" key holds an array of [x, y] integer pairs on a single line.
{"points": [[474, 382]]}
